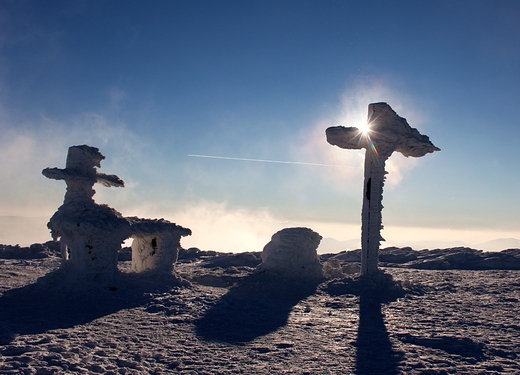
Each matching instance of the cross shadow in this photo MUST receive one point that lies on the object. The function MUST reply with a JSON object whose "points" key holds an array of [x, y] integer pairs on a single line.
{"points": [[375, 354], [258, 305], [56, 301]]}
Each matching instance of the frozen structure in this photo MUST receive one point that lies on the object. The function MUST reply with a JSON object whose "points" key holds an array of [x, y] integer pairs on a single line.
{"points": [[91, 234], [156, 244], [292, 253], [387, 132]]}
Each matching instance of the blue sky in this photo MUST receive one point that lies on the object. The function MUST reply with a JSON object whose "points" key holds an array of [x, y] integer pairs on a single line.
{"points": [[150, 83]]}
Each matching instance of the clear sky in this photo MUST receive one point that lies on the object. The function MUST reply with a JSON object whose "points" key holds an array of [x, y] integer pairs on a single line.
{"points": [[151, 82]]}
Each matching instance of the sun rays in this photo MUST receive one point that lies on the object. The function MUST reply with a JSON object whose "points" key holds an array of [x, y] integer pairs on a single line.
{"points": [[364, 128]]}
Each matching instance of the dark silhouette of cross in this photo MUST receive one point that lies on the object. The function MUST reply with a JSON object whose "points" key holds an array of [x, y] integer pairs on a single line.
{"points": [[387, 132]]}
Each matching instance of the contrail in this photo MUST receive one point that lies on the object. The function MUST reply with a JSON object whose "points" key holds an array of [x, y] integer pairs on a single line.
{"points": [[268, 161]]}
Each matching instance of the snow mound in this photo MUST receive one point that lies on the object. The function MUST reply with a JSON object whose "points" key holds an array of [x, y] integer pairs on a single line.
{"points": [[292, 253]]}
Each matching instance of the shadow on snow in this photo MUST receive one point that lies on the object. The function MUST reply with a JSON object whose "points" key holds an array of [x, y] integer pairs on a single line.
{"points": [[58, 301], [258, 305], [375, 354]]}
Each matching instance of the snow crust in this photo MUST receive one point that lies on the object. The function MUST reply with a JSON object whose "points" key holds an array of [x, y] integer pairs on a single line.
{"points": [[292, 253], [225, 321]]}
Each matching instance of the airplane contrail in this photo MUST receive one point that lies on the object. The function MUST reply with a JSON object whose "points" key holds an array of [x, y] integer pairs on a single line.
{"points": [[268, 161]]}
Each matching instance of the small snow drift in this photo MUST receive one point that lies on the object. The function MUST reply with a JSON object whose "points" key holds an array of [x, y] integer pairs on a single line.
{"points": [[92, 234], [292, 253]]}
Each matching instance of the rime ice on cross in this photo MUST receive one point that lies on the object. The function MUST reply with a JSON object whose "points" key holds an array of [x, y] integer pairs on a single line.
{"points": [[387, 132]]}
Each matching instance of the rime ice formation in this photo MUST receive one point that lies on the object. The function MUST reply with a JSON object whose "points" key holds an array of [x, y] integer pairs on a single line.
{"points": [[387, 132], [92, 234], [156, 244], [80, 174], [292, 253]]}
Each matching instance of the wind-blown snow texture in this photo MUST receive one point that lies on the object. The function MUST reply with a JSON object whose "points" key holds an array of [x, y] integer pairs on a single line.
{"points": [[225, 319]]}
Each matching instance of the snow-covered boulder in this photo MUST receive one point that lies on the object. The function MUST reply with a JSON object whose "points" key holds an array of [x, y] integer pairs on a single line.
{"points": [[49, 249], [292, 253]]}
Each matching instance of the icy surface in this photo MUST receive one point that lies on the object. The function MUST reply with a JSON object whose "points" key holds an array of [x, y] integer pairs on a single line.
{"points": [[292, 253], [445, 322]]}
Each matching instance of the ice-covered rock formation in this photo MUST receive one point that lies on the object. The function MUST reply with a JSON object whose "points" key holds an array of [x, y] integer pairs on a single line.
{"points": [[92, 234], [156, 244], [387, 132], [292, 253], [80, 174]]}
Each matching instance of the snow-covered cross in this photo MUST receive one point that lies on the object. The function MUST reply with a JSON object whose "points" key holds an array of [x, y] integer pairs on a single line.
{"points": [[386, 132]]}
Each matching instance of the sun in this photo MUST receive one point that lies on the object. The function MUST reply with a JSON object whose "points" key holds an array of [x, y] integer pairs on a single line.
{"points": [[364, 128]]}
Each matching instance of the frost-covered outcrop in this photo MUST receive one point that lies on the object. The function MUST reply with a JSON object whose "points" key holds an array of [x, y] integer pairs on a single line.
{"points": [[156, 244], [91, 234], [80, 174], [292, 253], [387, 132], [455, 258], [49, 249]]}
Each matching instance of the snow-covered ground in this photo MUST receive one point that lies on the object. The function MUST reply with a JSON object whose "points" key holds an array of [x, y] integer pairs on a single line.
{"points": [[226, 320]]}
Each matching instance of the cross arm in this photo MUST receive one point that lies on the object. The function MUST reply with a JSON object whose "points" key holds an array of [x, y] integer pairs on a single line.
{"points": [[346, 137], [416, 145]]}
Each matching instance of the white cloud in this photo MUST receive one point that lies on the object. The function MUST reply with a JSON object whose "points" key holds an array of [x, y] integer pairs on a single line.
{"points": [[315, 149], [219, 226], [24, 230], [216, 225]]}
